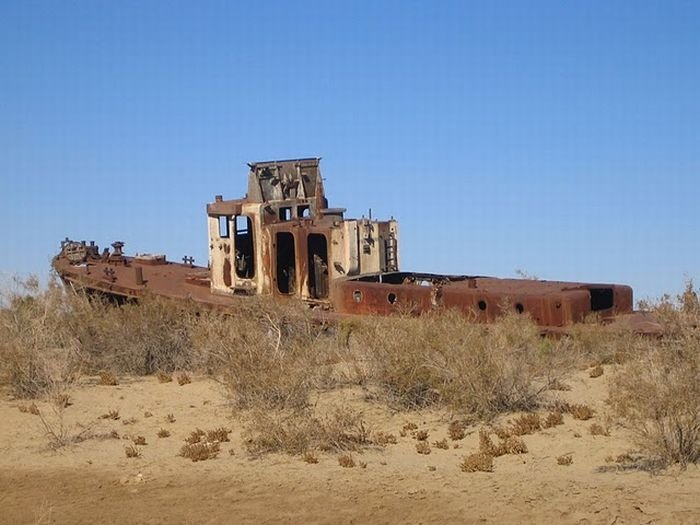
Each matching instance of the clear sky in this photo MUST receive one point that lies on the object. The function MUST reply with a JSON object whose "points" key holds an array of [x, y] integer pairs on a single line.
{"points": [[560, 138]]}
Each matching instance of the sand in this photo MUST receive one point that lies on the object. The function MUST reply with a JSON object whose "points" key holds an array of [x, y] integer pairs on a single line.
{"points": [[94, 482]]}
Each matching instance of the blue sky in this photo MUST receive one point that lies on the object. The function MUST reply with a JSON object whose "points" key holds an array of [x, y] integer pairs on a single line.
{"points": [[560, 138]]}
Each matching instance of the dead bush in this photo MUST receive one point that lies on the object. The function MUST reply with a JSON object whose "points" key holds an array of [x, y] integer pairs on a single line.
{"points": [[40, 354], [310, 457], [658, 392], [384, 438], [200, 451], [565, 460], [478, 462], [441, 444], [457, 430], [269, 356], [596, 371], [139, 440], [439, 358], [219, 434], [296, 431], [597, 429], [581, 412], [553, 419], [423, 447], [107, 379], [421, 435], [346, 461], [111, 414], [132, 451], [164, 377], [31, 408], [195, 436], [163, 433], [526, 424], [183, 378], [512, 445]]}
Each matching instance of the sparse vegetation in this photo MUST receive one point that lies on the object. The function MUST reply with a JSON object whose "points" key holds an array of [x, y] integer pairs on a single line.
{"points": [[565, 460], [132, 451], [107, 379], [272, 358], [346, 461], [423, 447], [200, 451], [163, 433], [658, 393], [478, 462]]}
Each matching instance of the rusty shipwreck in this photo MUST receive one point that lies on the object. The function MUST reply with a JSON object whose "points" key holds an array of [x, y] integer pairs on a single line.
{"points": [[283, 240]]}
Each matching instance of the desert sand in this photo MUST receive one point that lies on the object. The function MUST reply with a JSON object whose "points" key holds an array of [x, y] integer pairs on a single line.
{"points": [[93, 481]]}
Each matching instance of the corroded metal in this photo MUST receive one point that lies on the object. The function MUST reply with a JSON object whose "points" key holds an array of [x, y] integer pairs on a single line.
{"points": [[283, 240]]}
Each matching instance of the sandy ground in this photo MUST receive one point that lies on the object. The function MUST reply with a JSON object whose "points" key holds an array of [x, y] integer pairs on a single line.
{"points": [[94, 482]]}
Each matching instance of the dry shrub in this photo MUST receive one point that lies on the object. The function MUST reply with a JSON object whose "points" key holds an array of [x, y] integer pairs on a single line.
{"points": [[39, 352], [553, 419], [346, 461], [422, 447], [219, 434], [111, 414], [296, 431], [421, 435], [164, 377], [134, 338], [195, 436], [269, 355], [457, 430], [31, 408], [439, 358], [512, 445], [502, 432], [526, 424], [183, 378], [130, 421], [58, 432], [163, 433], [310, 457], [147, 414], [107, 379], [596, 371], [581, 412], [486, 444], [508, 445], [170, 418], [658, 392], [384, 438], [478, 462], [441, 444], [597, 429], [200, 451], [565, 460], [558, 385], [132, 451], [139, 440]]}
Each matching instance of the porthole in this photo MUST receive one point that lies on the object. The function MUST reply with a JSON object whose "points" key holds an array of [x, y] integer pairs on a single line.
{"points": [[357, 296], [391, 298], [482, 305]]}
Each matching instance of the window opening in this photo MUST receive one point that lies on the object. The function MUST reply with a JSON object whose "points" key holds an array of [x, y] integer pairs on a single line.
{"points": [[318, 265], [304, 212], [285, 213], [286, 263], [223, 227], [245, 251]]}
